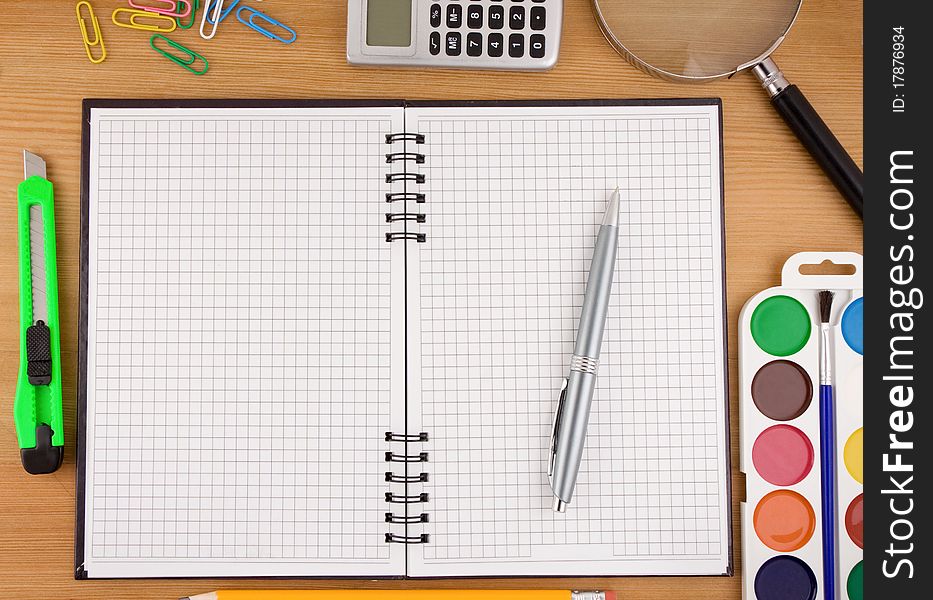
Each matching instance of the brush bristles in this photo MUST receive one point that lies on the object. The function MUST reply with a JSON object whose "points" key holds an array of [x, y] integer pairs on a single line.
{"points": [[826, 305]]}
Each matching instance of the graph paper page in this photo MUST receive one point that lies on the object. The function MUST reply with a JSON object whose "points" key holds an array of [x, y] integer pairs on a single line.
{"points": [[241, 358], [514, 197]]}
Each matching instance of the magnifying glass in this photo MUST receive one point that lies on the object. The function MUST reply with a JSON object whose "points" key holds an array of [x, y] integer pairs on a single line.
{"points": [[702, 40]]}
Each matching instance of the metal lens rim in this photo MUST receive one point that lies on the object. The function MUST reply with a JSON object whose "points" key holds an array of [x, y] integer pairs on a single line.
{"points": [[654, 71]]}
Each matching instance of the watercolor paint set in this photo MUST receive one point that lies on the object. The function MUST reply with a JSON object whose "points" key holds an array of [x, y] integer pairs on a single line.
{"points": [[800, 405]]}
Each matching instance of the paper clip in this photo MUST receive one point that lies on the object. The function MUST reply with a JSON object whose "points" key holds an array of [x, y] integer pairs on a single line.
{"points": [[171, 9], [218, 7], [135, 16], [187, 61], [95, 25], [196, 4], [264, 17], [228, 8]]}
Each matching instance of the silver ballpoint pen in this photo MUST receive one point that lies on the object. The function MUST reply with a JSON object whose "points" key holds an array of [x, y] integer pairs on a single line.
{"points": [[576, 394]]}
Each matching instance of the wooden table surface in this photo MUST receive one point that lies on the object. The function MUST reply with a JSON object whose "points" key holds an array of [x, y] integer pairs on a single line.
{"points": [[777, 202]]}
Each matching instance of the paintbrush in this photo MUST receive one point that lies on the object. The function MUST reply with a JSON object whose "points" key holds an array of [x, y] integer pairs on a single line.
{"points": [[827, 449]]}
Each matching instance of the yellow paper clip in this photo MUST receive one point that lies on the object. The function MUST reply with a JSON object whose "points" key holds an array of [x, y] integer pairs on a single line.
{"points": [[98, 40], [138, 20]]}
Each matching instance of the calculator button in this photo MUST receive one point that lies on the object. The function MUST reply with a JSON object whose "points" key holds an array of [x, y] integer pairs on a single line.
{"points": [[454, 14], [536, 46], [475, 16], [496, 17], [453, 44], [474, 43], [435, 15], [494, 45], [435, 44], [537, 18], [517, 17], [516, 45]]}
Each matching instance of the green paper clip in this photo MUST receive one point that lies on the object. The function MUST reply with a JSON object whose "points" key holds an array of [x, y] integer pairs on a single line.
{"points": [[37, 406], [185, 61], [195, 5]]}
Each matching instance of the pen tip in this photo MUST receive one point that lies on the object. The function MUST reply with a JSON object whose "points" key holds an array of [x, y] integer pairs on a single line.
{"points": [[612, 210]]}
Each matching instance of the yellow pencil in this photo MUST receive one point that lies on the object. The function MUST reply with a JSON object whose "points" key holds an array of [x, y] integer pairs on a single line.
{"points": [[402, 595]]}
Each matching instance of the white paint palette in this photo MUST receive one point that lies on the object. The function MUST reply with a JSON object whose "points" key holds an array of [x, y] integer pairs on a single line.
{"points": [[779, 411]]}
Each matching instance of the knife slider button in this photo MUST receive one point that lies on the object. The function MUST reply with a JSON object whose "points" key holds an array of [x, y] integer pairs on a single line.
{"points": [[39, 354]]}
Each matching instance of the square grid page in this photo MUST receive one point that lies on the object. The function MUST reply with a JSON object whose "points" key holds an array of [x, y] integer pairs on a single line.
{"points": [[514, 198], [239, 336]]}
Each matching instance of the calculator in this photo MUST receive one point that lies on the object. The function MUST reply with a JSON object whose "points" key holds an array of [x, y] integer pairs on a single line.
{"points": [[470, 34]]}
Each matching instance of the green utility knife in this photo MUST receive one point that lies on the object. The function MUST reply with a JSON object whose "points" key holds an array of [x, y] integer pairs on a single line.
{"points": [[37, 408]]}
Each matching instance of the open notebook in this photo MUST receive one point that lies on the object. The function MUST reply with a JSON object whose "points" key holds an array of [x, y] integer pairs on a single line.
{"points": [[326, 339]]}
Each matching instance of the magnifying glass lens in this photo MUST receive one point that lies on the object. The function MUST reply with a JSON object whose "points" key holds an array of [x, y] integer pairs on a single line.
{"points": [[694, 39]]}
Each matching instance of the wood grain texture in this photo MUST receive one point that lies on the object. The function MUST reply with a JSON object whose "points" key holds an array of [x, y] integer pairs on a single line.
{"points": [[777, 202]]}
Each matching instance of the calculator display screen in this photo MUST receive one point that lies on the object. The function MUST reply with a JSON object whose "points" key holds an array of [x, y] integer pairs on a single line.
{"points": [[388, 23]]}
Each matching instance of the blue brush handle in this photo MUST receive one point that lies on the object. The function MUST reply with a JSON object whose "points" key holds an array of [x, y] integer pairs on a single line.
{"points": [[828, 485]]}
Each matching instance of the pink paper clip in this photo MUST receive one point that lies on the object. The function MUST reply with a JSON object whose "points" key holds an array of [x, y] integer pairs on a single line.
{"points": [[169, 8]]}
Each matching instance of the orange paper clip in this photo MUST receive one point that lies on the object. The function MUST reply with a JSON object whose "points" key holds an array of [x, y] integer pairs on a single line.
{"points": [[143, 20], [98, 41]]}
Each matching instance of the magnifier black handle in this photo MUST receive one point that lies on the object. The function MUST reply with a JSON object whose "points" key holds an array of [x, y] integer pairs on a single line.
{"points": [[821, 143]]}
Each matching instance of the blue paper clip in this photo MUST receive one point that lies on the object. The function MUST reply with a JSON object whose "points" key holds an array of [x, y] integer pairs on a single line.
{"points": [[253, 14], [224, 12]]}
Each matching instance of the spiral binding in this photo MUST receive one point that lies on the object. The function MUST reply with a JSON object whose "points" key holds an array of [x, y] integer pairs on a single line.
{"points": [[416, 217], [413, 196], [407, 539], [419, 478], [394, 498], [406, 437], [391, 236], [393, 518], [397, 156], [417, 138], [406, 496], [405, 176], [406, 458], [406, 156]]}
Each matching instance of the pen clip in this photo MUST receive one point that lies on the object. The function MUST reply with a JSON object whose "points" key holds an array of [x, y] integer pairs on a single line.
{"points": [[552, 445]]}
